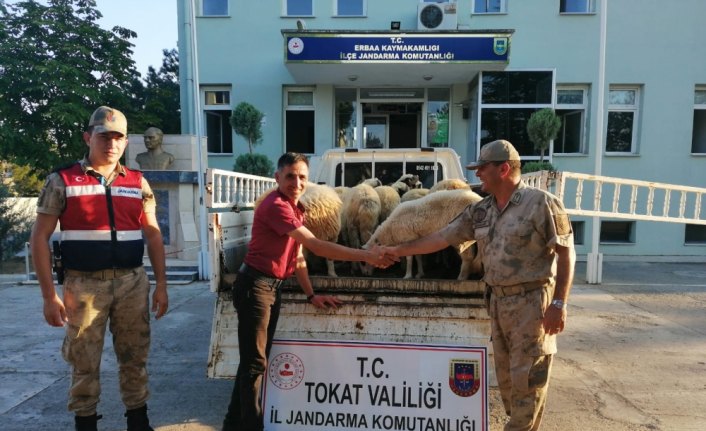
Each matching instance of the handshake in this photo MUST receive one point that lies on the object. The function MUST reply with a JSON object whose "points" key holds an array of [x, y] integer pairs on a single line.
{"points": [[382, 256]]}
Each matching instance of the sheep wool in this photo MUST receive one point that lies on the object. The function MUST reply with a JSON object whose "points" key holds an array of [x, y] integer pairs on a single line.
{"points": [[389, 199], [450, 184], [414, 194], [359, 217], [424, 216]]}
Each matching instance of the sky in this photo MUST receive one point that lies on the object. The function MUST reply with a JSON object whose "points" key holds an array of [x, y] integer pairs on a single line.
{"points": [[154, 21]]}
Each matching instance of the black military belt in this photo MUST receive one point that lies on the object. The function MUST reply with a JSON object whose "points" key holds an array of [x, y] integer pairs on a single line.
{"points": [[517, 289], [254, 273], [102, 274]]}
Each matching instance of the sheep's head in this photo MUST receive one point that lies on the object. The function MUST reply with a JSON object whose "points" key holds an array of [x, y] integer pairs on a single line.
{"points": [[411, 180], [372, 182]]}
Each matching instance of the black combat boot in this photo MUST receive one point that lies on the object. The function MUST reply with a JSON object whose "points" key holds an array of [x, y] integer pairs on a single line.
{"points": [[87, 423], [137, 420]]}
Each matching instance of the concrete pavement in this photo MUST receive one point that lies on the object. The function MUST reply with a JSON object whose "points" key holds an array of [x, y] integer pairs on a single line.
{"points": [[604, 376], [35, 378]]}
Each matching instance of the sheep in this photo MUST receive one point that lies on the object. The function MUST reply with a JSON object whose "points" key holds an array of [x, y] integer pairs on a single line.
{"points": [[405, 183], [450, 184], [341, 190], [389, 199], [410, 196], [359, 217], [414, 194], [424, 216], [323, 214], [372, 182]]}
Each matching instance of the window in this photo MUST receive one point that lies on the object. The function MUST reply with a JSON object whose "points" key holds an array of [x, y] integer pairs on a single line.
{"points": [[622, 120], [299, 121], [298, 8], [217, 111], [618, 232], [518, 88], [350, 7], [353, 173], [214, 7], [576, 6], [346, 116], [438, 117], [695, 234], [578, 227], [698, 139], [571, 107], [508, 99], [488, 6]]}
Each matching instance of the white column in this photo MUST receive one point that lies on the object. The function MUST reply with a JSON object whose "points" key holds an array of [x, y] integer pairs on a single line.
{"points": [[594, 266]]}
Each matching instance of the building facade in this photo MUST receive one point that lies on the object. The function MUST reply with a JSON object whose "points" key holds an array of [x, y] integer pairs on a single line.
{"points": [[411, 74]]}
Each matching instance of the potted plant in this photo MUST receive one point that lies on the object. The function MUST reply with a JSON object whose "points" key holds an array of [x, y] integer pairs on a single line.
{"points": [[542, 128], [246, 121]]}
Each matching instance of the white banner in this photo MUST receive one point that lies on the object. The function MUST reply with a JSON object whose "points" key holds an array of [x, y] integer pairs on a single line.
{"points": [[343, 385]]}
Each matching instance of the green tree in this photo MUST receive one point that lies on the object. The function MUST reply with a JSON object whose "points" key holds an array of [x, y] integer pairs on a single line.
{"points": [[161, 95], [24, 182], [56, 66], [246, 120], [254, 164], [542, 128], [15, 224]]}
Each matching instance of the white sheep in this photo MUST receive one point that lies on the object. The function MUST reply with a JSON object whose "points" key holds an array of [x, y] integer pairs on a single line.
{"points": [[424, 216], [406, 183], [389, 199], [323, 214], [359, 217], [411, 195], [414, 194], [450, 184], [372, 182]]}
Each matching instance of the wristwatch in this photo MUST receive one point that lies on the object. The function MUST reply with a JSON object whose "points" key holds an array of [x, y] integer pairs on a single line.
{"points": [[558, 303]]}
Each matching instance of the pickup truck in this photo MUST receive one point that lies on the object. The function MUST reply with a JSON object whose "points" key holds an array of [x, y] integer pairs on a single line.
{"points": [[376, 309]]}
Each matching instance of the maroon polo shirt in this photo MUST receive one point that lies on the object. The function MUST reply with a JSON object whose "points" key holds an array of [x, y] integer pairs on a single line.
{"points": [[271, 250]]}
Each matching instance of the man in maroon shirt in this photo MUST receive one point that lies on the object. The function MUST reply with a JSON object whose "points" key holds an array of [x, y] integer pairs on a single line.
{"points": [[274, 254]]}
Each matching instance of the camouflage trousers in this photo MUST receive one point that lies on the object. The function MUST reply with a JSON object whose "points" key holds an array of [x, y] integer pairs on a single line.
{"points": [[523, 356], [91, 304]]}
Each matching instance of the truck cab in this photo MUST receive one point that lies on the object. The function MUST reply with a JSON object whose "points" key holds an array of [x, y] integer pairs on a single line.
{"points": [[348, 167]]}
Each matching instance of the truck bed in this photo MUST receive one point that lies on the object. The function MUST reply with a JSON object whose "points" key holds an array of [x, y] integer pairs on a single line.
{"points": [[448, 312]]}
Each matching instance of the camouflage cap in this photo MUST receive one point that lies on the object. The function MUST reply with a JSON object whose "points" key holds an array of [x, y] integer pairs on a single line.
{"points": [[496, 151], [106, 119]]}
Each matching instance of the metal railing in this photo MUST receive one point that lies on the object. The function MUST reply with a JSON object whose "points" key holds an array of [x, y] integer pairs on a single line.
{"points": [[227, 189], [622, 198]]}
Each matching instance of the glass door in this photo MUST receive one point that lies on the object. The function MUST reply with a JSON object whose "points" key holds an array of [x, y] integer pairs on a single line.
{"points": [[375, 131]]}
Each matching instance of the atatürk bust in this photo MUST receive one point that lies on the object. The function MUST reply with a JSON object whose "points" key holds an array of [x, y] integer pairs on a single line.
{"points": [[155, 157]]}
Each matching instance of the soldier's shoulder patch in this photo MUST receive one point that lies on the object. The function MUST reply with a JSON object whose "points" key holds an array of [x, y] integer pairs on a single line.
{"points": [[562, 223]]}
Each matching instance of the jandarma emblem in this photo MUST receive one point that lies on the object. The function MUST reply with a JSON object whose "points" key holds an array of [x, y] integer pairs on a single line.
{"points": [[500, 45], [295, 45], [286, 371], [464, 377]]}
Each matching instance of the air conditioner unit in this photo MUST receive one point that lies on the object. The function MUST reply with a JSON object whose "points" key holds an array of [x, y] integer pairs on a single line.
{"points": [[437, 16]]}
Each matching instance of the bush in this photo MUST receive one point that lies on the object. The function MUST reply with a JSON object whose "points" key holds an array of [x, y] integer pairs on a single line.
{"points": [[537, 166], [246, 121], [254, 164], [542, 128]]}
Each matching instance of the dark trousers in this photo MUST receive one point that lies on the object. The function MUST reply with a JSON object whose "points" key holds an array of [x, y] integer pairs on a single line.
{"points": [[257, 301]]}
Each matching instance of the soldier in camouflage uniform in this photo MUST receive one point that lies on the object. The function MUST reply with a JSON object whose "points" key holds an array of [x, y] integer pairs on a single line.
{"points": [[525, 239], [104, 210]]}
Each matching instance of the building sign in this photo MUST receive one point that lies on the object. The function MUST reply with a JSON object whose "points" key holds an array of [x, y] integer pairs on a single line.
{"points": [[342, 385], [396, 48]]}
